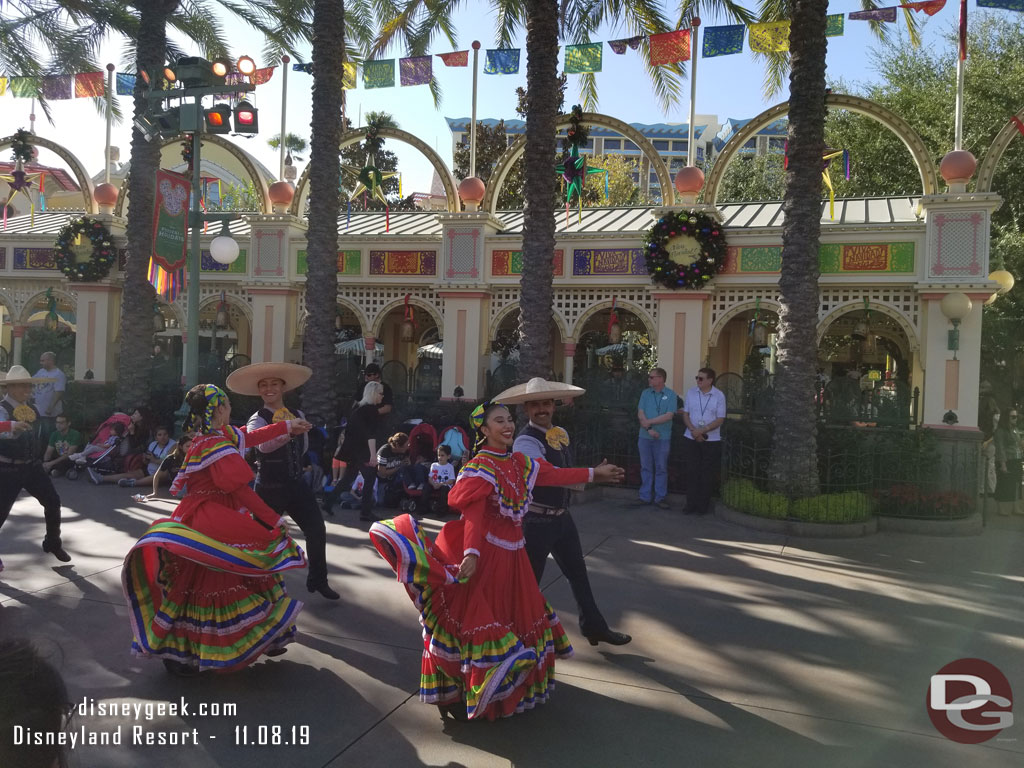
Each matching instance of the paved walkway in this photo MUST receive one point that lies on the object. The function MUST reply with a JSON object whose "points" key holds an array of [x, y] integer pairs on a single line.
{"points": [[749, 649]]}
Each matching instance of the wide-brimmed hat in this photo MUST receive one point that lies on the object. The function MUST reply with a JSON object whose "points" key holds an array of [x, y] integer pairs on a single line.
{"points": [[538, 389], [18, 374], [244, 381]]}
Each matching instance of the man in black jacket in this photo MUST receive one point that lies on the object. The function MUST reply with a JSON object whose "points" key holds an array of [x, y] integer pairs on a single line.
{"points": [[548, 526], [20, 465], [280, 462]]}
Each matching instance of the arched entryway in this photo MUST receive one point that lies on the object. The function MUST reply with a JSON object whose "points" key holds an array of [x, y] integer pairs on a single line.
{"points": [[865, 369], [742, 353], [225, 338], [50, 326], [413, 350]]}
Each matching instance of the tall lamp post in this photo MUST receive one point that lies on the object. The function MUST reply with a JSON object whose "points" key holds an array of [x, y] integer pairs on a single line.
{"points": [[196, 78]]}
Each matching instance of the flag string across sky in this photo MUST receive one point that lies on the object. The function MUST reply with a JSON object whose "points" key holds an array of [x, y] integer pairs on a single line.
{"points": [[664, 49]]}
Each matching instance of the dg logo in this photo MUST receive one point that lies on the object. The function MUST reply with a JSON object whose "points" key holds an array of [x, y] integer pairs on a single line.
{"points": [[969, 701]]}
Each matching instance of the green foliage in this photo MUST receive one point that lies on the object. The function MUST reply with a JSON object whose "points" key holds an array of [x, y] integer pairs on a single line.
{"points": [[752, 178], [491, 143], [622, 188], [88, 403], [293, 144], [238, 197], [61, 342], [849, 507]]}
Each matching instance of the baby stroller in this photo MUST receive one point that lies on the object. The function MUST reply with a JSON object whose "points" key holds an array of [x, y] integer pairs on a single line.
{"points": [[103, 449], [422, 449], [455, 437]]}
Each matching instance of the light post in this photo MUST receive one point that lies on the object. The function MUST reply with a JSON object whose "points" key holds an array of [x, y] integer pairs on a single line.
{"points": [[195, 78]]}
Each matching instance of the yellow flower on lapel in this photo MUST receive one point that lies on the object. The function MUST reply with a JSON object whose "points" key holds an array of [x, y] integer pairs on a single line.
{"points": [[557, 438], [282, 414], [24, 413]]}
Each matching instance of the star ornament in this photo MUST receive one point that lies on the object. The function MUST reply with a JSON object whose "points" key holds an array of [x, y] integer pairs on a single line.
{"points": [[369, 179], [28, 184]]}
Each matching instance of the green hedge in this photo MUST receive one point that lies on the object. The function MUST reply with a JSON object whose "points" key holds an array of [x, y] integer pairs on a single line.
{"points": [[849, 507]]}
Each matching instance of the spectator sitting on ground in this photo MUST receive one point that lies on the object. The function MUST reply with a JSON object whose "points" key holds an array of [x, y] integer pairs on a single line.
{"points": [[353, 497], [64, 441], [155, 453], [168, 469], [392, 458], [442, 478]]}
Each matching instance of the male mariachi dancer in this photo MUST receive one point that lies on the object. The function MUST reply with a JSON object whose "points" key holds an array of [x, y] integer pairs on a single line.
{"points": [[280, 461], [20, 465], [547, 526]]}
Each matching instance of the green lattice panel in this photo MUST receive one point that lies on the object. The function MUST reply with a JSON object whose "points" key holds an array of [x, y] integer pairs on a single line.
{"points": [[348, 262], [902, 257], [760, 259], [829, 258]]}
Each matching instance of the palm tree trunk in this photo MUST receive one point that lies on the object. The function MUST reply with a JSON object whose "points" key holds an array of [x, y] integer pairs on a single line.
{"points": [[794, 468], [137, 295], [535, 302], [319, 396]]}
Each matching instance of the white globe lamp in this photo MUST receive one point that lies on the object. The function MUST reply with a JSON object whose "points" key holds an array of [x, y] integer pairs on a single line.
{"points": [[224, 248]]}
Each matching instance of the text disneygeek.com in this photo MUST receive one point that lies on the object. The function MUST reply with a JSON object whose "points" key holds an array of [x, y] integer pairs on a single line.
{"points": [[85, 726]]}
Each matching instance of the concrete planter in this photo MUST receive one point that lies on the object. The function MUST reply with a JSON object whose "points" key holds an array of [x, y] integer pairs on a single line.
{"points": [[968, 526], [798, 527]]}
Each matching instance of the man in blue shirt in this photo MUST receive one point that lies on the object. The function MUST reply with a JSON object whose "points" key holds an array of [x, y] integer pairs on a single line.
{"points": [[658, 404]]}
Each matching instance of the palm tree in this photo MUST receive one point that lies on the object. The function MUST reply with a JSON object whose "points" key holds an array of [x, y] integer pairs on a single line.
{"points": [[293, 144], [320, 395]]}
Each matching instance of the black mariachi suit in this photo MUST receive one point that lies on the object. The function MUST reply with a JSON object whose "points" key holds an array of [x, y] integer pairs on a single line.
{"points": [[21, 468], [557, 535], [279, 483]]}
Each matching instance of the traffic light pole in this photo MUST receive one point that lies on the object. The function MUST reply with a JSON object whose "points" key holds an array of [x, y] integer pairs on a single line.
{"points": [[194, 265]]}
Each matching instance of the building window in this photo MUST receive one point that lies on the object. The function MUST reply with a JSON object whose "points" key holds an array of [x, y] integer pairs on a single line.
{"points": [[629, 146], [700, 155], [680, 146], [612, 144], [776, 145], [662, 145]]}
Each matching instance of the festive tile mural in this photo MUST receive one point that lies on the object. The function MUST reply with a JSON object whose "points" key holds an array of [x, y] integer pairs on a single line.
{"points": [[833, 258], [348, 262], [34, 258], [237, 267], [608, 261], [403, 263], [506, 263]]}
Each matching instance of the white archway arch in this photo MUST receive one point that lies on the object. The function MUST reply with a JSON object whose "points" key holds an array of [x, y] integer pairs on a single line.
{"points": [[633, 309], [884, 309], [430, 309], [500, 318], [767, 305]]}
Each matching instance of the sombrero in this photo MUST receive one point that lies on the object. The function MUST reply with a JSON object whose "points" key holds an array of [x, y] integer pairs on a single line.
{"points": [[538, 389], [18, 374], [244, 380]]}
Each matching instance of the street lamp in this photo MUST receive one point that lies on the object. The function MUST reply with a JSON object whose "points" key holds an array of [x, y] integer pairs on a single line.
{"points": [[195, 78], [955, 306]]}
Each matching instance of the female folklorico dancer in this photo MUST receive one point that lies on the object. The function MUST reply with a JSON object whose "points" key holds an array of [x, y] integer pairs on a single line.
{"points": [[204, 588], [489, 636]]}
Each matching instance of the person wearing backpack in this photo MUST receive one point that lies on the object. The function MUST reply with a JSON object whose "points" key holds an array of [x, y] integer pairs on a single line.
{"points": [[280, 462]]}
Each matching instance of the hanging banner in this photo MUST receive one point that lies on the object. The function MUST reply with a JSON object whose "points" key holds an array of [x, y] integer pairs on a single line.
{"points": [[619, 46], [3, 85], [502, 61], [1006, 5], [58, 87], [930, 7], [580, 59], [723, 41], [125, 85], [887, 15], [670, 47], [263, 75], [170, 220], [379, 74], [306, 67], [348, 76], [416, 70], [769, 37], [23, 87], [455, 58], [89, 85], [834, 25]]}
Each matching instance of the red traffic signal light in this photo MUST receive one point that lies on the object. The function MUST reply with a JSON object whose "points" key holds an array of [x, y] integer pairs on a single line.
{"points": [[218, 119], [246, 118]]}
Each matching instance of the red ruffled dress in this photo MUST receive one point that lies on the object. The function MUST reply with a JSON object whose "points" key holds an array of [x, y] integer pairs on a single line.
{"points": [[204, 587], [492, 640]]}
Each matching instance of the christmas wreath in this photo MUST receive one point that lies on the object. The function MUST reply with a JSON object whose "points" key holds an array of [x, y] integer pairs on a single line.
{"points": [[684, 249], [99, 262]]}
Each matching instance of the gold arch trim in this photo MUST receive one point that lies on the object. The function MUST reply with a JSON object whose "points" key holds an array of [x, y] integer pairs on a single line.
{"points": [[987, 171], [355, 136], [235, 151], [633, 309], [563, 330], [76, 167], [910, 138], [768, 305], [510, 155], [884, 309], [430, 309]]}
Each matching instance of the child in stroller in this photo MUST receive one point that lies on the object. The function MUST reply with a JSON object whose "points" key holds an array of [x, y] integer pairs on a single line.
{"points": [[102, 449], [416, 474]]}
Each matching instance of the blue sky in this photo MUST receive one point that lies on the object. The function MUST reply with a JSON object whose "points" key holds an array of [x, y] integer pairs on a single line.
{"points": [[729, 86]]}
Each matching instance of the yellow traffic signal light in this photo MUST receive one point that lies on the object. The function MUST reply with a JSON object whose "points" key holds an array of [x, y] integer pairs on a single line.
{"points": [[218, 119]]}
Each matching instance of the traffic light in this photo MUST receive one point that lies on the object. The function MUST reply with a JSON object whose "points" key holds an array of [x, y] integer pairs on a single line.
{"points": [[218, 119], [197, 72], [162, 124], [246, 118]]}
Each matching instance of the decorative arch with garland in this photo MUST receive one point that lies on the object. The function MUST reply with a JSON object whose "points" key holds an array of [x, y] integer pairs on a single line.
{"points": [[684, 249], [69, 260]]}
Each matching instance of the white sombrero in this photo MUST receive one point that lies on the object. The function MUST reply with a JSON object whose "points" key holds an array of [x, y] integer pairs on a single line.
{"points": [[538, 389], [18, 374], [244, 381]]}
